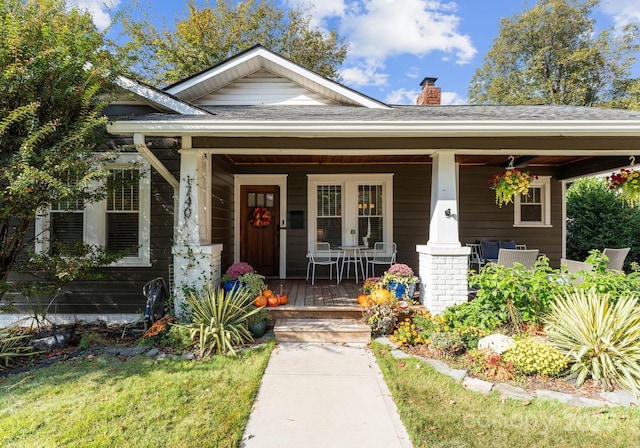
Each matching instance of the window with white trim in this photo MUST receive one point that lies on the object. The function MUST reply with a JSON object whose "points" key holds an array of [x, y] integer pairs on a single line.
{"points": [[120, 222], [350, 209], [534, 209]]}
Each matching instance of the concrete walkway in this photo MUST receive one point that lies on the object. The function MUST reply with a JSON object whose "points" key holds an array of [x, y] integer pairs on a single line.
{"points": [[324, 395]]}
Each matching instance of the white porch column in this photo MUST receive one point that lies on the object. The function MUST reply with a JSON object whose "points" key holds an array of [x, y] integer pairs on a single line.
{"points": [[443, 263], [197, 262]]}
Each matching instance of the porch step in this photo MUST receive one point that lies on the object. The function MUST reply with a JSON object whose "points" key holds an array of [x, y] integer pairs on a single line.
{"points": [[315, 312], [321, 330]]}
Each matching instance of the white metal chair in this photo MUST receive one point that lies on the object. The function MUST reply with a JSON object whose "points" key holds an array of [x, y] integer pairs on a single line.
{"points": [[616, 257], [382, 254], [324, 257], [475, 257], [507, 257]]}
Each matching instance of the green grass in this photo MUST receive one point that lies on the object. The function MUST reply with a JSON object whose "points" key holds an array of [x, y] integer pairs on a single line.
{"points": [[438, 412], [137, 403]]}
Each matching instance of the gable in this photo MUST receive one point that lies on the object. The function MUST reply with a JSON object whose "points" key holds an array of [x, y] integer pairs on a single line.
{"points": [[263, 88]]}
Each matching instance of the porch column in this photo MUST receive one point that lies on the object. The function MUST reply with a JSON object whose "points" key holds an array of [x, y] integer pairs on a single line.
{"points": [[197, 262], [443, 262]]}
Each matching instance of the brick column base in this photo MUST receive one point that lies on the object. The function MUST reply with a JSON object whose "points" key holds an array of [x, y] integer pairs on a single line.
{"points": [[443, 276], [194, 268]]}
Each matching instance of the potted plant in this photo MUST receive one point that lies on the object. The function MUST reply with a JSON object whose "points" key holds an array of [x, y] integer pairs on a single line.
{"points": [[510, 183], [627, 182], [257, 323], [253, 281], [230, 279], [400, 280]]}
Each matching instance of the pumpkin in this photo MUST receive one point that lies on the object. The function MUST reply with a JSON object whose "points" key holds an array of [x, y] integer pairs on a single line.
{"points": [[282, 297], [364, 300], [380, 296], [268, 293], [260, 301], [273, 301]]}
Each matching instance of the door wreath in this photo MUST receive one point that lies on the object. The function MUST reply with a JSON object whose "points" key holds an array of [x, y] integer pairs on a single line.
{"points": [[261, 217]]}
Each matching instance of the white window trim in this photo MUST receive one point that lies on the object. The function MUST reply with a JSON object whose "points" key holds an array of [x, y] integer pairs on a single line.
{"points": [[544, 183], [95, 218], [349, 183]]}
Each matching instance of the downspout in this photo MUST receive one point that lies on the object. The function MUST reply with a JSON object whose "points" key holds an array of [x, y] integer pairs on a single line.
{"points": [[141, 147]]}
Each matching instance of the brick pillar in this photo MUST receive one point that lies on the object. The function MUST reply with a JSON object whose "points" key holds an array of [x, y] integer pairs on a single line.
{"points": [[430, 95], [443, 276]]}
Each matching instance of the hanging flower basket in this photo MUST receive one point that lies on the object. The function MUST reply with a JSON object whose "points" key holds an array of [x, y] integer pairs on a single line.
{"points": [[509, 184], [627, 182], [261, 217]]}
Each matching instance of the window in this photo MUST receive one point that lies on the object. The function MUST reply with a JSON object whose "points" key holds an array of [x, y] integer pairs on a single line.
{"points": [[120, 222], [355, 211], [534, 209]]}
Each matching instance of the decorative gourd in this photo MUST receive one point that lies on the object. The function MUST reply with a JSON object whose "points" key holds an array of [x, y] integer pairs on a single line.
{"points": [[260, 301], [282, 297], [268, 293], [380, 296], [364, 300], [272, 300]]}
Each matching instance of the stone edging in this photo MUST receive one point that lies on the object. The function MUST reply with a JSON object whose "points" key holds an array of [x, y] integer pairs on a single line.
{"points": [[617, 398]]}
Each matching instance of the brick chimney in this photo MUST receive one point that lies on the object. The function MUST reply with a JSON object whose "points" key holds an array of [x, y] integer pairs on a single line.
{"points": [[430, 95]]}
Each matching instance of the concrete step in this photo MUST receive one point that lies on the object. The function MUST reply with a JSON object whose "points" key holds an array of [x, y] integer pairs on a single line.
{"points": [[321, 330]]}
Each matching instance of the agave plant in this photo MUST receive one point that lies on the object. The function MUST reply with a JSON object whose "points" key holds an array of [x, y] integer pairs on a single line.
{"points": [[601, 338], [219, 319], [13, 345]]}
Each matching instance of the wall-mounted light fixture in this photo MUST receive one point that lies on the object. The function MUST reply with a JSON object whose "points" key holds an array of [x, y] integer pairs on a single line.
{"points": [[447, 213]]}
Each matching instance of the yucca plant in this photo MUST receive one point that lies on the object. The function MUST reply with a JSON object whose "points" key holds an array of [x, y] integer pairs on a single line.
{"points": [[13, 345], [600, 338], [219, 319]]}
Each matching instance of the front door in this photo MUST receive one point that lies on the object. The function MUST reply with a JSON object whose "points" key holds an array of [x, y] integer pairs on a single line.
{"points": [[259, 225]]}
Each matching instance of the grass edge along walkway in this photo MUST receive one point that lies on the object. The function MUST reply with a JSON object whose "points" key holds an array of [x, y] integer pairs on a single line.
{"points": [[438, 412], [142, 402]]}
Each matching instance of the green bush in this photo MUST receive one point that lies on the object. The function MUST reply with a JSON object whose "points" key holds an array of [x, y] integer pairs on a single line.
{"points": [[219, 320], [600, 338], [382, 318], [447, 342], [533, 357]]}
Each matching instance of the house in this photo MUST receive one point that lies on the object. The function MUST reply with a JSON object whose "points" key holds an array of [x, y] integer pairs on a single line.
{"points": [[330, 164]]}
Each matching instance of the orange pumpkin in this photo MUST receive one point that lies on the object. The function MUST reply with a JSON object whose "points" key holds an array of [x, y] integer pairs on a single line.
{"points": [[273, 301], [364, 300], [260, 301], [282, 297], [268, 293]]}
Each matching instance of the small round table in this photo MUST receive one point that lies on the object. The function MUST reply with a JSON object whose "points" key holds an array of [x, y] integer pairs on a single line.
{"points": [[352, 255]]}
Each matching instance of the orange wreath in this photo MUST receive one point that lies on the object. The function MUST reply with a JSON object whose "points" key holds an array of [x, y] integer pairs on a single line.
{"points": [[261, 217]]}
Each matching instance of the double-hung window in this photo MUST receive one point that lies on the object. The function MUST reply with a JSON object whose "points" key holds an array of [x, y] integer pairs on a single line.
{"points": [[120, 222], [534, 209], [350, 209]]}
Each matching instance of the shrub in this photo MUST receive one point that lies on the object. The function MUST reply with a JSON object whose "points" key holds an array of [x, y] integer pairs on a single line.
{"points": [[601, 338], [408, 333], [532, 357], [382, 318], [219, 320], [165, 333], [13, 346], [447, 342], [486, 362]]}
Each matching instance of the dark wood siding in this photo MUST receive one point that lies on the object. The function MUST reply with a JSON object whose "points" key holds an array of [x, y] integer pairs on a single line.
{"points": [[480, 217], [222, 207]]}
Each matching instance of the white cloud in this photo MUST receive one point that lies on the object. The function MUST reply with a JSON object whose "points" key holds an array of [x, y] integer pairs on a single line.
{"points": [[365, 73], [98, 10], [402, 96], [622, 12], [453, 98]]}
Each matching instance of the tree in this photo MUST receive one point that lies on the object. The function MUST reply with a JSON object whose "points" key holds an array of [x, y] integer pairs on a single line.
{"points": [[598, 217], [209, 35], [54, 71], [551, 54]]}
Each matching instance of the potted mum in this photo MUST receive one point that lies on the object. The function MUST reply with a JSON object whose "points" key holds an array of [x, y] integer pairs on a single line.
{"points": [[510, 183], [230, 278], [400, 280], [257, 323]]}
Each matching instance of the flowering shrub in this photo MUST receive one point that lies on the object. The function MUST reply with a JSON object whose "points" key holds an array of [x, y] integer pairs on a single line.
{"points": [[488, 363], [509, 184], [400, 273], [370, 284], [236, 270], [531, 357], [627, 182], [400, 270], [407, 334]]}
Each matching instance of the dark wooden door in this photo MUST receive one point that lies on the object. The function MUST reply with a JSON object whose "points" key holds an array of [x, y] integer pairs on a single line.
{"points": [[260, 237]]}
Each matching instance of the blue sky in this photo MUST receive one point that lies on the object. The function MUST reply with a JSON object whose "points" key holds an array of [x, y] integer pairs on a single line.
{"points": [[394, 44]]}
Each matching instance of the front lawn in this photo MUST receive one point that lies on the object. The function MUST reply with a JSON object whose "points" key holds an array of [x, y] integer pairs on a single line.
{"points": [[106, 402], [438, 412]]}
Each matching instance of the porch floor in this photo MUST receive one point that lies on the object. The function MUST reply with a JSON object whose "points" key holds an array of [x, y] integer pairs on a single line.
{"points": [[325, 292]]}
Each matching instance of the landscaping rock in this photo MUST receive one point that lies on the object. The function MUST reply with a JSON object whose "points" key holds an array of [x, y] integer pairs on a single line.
{"points": [[513, 392], [56, 340], [188, 356], [621, 397], [132, 351], [477, 385], [457, 374], [497, 343], [569, 399], [386, 341], [399, 354], [151, 353]]}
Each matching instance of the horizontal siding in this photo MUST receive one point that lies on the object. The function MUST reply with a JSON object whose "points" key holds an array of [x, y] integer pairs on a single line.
{"points": [[222, 208]]}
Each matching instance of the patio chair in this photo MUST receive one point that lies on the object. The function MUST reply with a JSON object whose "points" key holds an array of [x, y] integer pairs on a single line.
{"points": [[382, 254], [324, 257], [490, 250], [507, 257], [616, 257], [573, 267], [475, 257]]}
